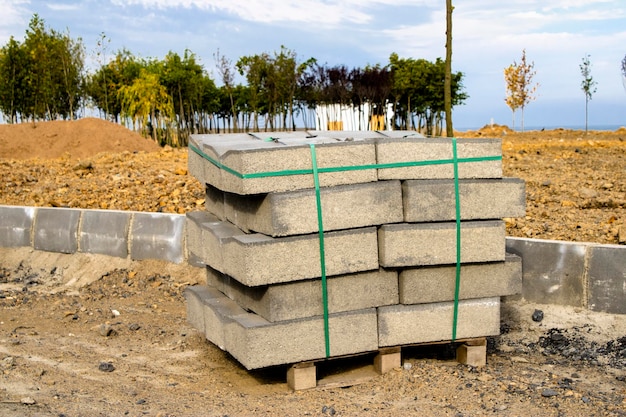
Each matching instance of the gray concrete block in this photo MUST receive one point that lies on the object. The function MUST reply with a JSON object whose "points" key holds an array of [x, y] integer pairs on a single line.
{"points": [[104, 232], [606, 274], [210, 311], [419, 244], [433, 284], [257, 343], [423, 323], [392, 151], [261, 156], [260, 260], [295, 213], [56, 230], [157, 236], [552, 271], [214, 202], [302, 299], [16, 226], [257, 259], [434, 200], [205, 237]]}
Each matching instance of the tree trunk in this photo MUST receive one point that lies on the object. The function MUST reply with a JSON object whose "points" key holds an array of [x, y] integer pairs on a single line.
{"points": [[447, 98]]}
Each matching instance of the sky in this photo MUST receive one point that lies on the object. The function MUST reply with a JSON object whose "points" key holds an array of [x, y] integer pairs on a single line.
{"points": [[488, 36]]}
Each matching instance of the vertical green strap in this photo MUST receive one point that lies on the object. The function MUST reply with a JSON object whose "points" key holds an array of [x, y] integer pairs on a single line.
{"points": [[457, 204], [322, 257]]}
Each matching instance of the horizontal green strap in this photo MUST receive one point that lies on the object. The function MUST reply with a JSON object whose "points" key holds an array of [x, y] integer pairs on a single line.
{"points": [[341, 168]]}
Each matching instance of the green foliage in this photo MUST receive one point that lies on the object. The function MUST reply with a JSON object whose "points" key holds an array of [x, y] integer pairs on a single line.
{"points": [[41, 78], [418, 91], [44, 78]]}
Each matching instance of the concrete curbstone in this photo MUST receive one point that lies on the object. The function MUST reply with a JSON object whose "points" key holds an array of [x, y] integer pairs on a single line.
{"points": [[257, 343], [295, 213], [420, 244], [16, 226], [434, 200], [260, 260], [300, 299], [56, 230], [393, 151], [104, 232], [606, 275], [434, 284], [553, 272], [252, 154], [157, 236], [422, 323]]}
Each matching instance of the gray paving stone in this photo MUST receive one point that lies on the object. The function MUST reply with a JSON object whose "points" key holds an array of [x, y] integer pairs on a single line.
{"points": [[56, 230], [552, 272], [295, 213], [209, 311], [434, 200], [16, 226], [433, 284], [249, 155], [419, 244], [302, 299], [104, 232], [205, 237], [257, 343], [257, 259], [214, 201], [433, 322], [157, 236], [392, 151], [606, 275]]}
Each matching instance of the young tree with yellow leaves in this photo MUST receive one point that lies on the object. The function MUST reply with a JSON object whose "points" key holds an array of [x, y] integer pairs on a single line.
{"points": [[520, 89], [149, 106]]}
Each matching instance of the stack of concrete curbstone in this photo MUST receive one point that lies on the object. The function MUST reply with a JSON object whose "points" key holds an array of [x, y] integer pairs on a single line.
{"points": [[325, 244]]}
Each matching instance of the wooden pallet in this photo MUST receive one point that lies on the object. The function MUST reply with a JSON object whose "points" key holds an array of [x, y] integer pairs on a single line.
{"points": [[303, 375]]}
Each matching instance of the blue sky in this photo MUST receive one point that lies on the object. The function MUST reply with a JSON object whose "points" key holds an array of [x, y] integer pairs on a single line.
{"points": [[488, 36]]}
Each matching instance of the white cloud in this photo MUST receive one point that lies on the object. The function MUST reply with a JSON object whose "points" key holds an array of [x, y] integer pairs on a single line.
{"points": [[62, 7], [312, 11], [12, 17]]}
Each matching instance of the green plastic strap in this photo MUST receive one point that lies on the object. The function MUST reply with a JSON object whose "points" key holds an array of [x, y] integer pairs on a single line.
{"points": [[457, 285], [322, 257], [341, 168]]}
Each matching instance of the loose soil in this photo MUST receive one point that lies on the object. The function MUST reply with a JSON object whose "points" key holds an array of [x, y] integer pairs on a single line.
{"points": [[85, 335]]}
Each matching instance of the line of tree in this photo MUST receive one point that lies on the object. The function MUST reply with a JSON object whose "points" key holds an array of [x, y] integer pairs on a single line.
{"points": [[44, 78]]}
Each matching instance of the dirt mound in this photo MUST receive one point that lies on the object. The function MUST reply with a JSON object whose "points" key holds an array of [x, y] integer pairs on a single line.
{"points": [[490, 130], [80, 138]]}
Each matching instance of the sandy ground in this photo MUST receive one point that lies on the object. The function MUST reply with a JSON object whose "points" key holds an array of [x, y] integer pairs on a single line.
{"points": [[84, 335]]}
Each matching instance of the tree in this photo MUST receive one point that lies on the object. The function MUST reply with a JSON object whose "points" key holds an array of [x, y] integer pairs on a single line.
{"points": [[448, 76], [520, 89], [226, 71], [588, 85], [42, 77], [149, 105], [13, 78], [101, 56]]}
